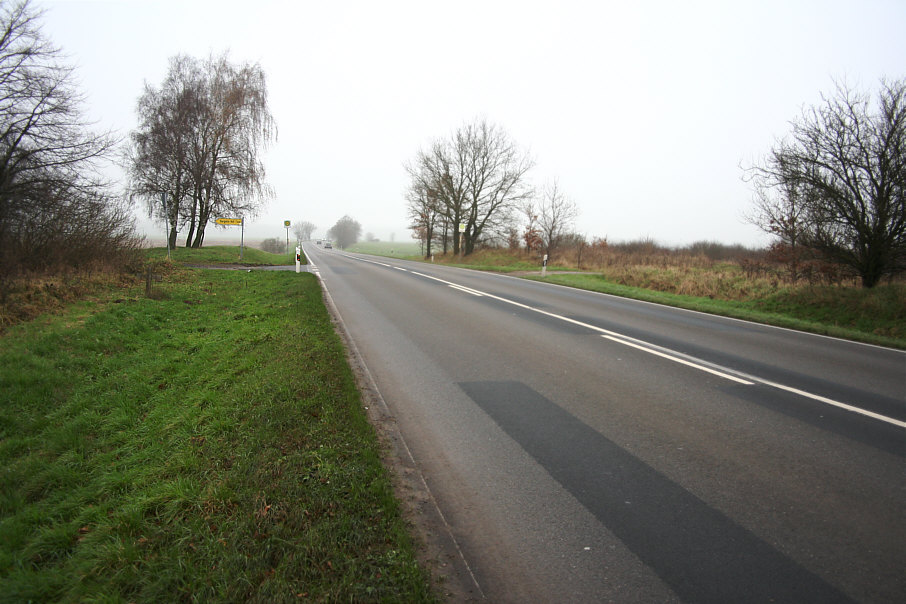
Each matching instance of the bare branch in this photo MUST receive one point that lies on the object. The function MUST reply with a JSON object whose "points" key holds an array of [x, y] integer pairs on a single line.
{"points": [[836, 184]]}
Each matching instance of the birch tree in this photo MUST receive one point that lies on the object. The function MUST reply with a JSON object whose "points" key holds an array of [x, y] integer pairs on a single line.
{"points": [[199, 141]]}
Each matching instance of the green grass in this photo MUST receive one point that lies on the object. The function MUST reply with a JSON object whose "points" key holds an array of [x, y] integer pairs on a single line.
{"points": [[876, 316], [500, 261], [386, 248], [206, 444], [221, 254]]}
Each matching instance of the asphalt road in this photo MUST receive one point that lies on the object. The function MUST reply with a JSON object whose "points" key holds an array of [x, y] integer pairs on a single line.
{"points": [[586, 448]]}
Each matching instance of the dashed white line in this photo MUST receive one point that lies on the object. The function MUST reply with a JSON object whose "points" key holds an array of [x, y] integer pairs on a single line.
{"points": [[467, 290]]}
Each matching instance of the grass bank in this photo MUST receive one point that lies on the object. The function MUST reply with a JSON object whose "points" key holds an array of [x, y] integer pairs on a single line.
{"points": [[876, 316], [204, 444], [25, 298], [221, 254]]}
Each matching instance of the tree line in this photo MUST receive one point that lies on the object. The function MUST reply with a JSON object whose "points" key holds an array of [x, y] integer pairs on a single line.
{"points": [[471, 187], [831, 191]]}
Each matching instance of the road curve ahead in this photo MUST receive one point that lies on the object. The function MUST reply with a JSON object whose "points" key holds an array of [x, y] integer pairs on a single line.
{"points": [[586, 448]]}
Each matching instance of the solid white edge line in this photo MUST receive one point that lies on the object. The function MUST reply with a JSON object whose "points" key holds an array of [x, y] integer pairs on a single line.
{"points": [[830, 401], [681, 361]]}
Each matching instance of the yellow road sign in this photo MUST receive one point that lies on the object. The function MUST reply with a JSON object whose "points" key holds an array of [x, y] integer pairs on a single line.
{"points": [[236, 221]]}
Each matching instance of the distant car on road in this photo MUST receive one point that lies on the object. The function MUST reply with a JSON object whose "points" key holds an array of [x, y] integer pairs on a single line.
{"points": [[327, 245]]}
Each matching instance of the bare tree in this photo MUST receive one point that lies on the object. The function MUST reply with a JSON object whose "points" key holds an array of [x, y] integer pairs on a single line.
{"points": [[436, 170], [199, 140], [494, 168], [51, 194], [158, 158], [837, 183], [478, 178], [424, 212], [556, 214], [303, 229]]}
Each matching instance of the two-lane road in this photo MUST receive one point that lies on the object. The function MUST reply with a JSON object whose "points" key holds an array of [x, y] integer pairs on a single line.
{"points": [[588, 448]]}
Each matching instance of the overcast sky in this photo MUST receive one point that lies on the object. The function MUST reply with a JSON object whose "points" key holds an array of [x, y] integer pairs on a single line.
{"points": [[643, 111]]}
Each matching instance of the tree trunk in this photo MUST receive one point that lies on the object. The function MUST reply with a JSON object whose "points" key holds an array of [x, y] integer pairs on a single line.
{"points": [[192, 221], [429, 235], [199, 234], [204, 214], [871, 272]]}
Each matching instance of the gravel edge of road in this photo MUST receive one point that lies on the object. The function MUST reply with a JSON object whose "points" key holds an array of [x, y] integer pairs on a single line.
{"points": [[436, 546]]}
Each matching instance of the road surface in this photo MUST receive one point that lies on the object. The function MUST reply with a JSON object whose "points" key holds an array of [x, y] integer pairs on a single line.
{"points": [[587, 448]]}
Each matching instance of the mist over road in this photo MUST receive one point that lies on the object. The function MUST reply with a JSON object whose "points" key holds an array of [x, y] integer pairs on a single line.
{"points": [[588, 448]]}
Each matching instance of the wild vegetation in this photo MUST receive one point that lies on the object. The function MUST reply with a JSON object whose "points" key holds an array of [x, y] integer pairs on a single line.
{"points": [[273, 245], [835, 189], [159, 449], [57, 216]]}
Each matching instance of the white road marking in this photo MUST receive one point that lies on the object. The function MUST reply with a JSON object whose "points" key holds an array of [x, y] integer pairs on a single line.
{"points": [[683, 361], [467, 290], [829, 401], [672, 355]]}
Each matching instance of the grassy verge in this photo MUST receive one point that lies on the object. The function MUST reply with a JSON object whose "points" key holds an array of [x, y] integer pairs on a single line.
{"points": [[32, 295], [221, 254], [207, 444], [876, 316]]}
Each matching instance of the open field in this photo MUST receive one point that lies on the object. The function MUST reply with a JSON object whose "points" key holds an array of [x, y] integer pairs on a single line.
{"points": [[206, 443], [390, 249]]}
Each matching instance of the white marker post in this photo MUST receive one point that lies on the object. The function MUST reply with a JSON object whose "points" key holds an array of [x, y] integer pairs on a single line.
{"points": [[544, 266], [298, 259]]}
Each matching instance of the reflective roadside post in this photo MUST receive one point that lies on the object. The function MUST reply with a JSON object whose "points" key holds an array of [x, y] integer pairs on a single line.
{"points": [[544, 266], [298, 259]]}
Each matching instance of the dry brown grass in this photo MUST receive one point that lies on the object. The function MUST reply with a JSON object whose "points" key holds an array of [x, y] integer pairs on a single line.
{"points": [[712, 271], [31, 294]]}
